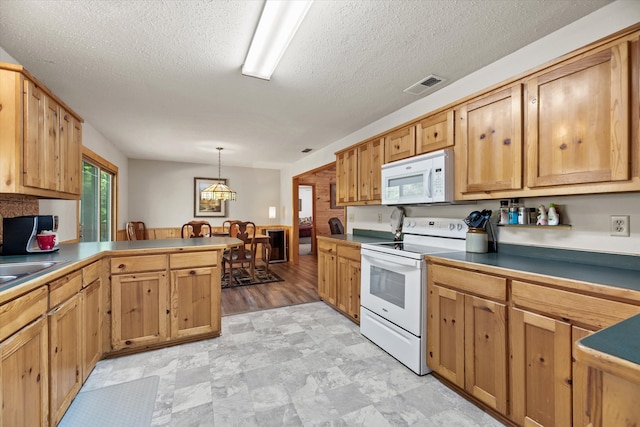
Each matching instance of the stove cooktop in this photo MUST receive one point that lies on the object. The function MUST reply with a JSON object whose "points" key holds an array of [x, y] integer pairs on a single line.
{"points": [[411, 248]]}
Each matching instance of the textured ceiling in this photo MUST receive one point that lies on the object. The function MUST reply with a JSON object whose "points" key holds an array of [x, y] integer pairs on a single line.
{"points": [[161, 79]]}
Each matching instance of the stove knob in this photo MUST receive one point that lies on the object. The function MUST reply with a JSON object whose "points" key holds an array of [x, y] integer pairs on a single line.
{"points": [[452, 227], [412, 224], [459, 227]]}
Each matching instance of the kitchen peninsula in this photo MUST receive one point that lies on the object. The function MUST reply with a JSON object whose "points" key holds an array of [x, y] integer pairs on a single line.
{"points": [[100, 299]]}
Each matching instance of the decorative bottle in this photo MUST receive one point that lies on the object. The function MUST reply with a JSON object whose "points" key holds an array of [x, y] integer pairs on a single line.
{"points": [[513, 211], [542, 216], [504, 212], [553, 216]]}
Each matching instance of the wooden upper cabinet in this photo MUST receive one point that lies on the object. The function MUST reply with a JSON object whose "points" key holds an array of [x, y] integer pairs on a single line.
{"points": [[370, 160], [40, 139], [347, 176], [70, 152], [435, 132], [51, 144], [33, 163], [400, 144], [578, 121], [488, 151]]}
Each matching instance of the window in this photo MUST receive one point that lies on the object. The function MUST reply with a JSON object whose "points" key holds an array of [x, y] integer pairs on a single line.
{"points": [[98, 200]]}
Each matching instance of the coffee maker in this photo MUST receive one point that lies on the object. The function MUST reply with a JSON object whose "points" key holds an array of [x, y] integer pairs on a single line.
{"points": [[19, 233]]}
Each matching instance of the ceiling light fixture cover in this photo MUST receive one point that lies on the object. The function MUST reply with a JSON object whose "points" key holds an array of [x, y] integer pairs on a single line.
{"points": [[278, 23], [218, 191]]}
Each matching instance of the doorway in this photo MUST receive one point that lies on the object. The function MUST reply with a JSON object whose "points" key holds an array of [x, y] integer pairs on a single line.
{"points": [[322, 180], [305, 219]]}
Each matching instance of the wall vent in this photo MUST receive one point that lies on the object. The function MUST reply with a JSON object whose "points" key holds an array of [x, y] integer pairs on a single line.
{"points": [[424, 85]]}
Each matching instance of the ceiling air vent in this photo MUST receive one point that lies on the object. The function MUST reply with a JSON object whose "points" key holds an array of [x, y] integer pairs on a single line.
{"points": [[424, 85]]}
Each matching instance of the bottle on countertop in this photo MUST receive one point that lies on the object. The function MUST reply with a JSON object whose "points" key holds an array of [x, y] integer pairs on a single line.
{"points": [[533, 215], [504, 212], [523, 215], [543, 219], [513, 211], [553, 216]]}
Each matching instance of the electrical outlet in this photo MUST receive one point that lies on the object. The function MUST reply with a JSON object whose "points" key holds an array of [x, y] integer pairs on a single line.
{"points": [[620, 225], [379, 218], [351, 217]]}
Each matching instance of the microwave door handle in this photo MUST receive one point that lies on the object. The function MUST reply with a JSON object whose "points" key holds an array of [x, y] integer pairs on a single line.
{"points": [[430, 184]]}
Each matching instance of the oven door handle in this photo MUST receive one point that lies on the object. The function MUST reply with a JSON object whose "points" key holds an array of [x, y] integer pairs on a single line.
{"points": [[391, 261]]}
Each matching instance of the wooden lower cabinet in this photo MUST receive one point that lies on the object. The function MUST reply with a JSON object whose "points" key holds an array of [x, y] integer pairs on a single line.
{"points": [[65, 354], [195, 298], [614, 399], [139, 309], [327, 271], [24, 376], [148, 309], [580, 380], [466, 343], [91, 301], [339, 276], [348, 284], [540, 370]]}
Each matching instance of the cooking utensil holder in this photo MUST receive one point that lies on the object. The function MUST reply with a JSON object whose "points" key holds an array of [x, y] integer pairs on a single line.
{"points": [[477, 240]]}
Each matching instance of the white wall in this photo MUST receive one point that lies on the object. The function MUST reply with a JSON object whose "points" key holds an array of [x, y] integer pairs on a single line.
{"points": [[305, 192], [162, 193], [5, 57], [589, 215]]}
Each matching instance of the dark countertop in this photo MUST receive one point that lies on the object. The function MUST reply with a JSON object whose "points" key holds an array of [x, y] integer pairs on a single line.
{"points": [[601, 275], [362, 236], [356, 238], [621, 340], [74, 253]]}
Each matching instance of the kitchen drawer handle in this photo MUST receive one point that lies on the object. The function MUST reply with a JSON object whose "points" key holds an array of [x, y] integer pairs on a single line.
{"points": [[121, 266], [192, 272]]}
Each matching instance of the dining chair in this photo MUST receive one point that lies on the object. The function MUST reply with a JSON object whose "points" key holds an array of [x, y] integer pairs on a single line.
{"points": [[245, 231], [193, 229], [227, 226], [136, 230]]}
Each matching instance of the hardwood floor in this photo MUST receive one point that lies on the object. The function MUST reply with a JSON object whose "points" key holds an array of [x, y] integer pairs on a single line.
{"points": [[300, 285]]}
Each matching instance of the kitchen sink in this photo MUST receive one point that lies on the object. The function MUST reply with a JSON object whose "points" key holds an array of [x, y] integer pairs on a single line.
{"points": [[18, 270]]}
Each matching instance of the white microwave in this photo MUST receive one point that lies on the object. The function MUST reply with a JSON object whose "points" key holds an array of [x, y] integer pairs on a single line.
{"points": [[427, 178]]}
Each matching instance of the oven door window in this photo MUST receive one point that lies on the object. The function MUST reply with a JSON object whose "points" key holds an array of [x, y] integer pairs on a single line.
{"points": [[388, 285]]}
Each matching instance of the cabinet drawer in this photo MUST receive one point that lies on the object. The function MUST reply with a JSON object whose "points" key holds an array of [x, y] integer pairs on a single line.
{"points": [[326, 246], [469, 281], [91, 273], [592, 312], [349, 252], [135, 264], [193, 259], [17, 313], [64, 288]]}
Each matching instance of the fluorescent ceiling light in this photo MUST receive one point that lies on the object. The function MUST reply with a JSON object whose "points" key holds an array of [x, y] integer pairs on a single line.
{"points": [[278, 23]]}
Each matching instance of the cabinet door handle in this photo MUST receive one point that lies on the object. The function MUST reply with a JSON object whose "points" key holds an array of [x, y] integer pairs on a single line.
{"points": [[534, 100]]}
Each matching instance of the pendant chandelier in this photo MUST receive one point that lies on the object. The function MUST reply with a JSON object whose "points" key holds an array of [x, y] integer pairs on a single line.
{"points": [[218, 191]]}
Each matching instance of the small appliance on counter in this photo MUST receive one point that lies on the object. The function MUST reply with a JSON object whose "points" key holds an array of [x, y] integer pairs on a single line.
{"points": [[20, 234]]}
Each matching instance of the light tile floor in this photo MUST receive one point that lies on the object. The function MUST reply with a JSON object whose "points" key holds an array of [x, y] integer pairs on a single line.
{"points": [[304, 365]]}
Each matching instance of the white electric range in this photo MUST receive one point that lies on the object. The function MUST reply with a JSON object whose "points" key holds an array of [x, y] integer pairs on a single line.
{"points": [[393, 283]]}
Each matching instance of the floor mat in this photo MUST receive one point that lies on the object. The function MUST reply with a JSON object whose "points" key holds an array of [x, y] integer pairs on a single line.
{"points": [[125, 404], [242, 277]]}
